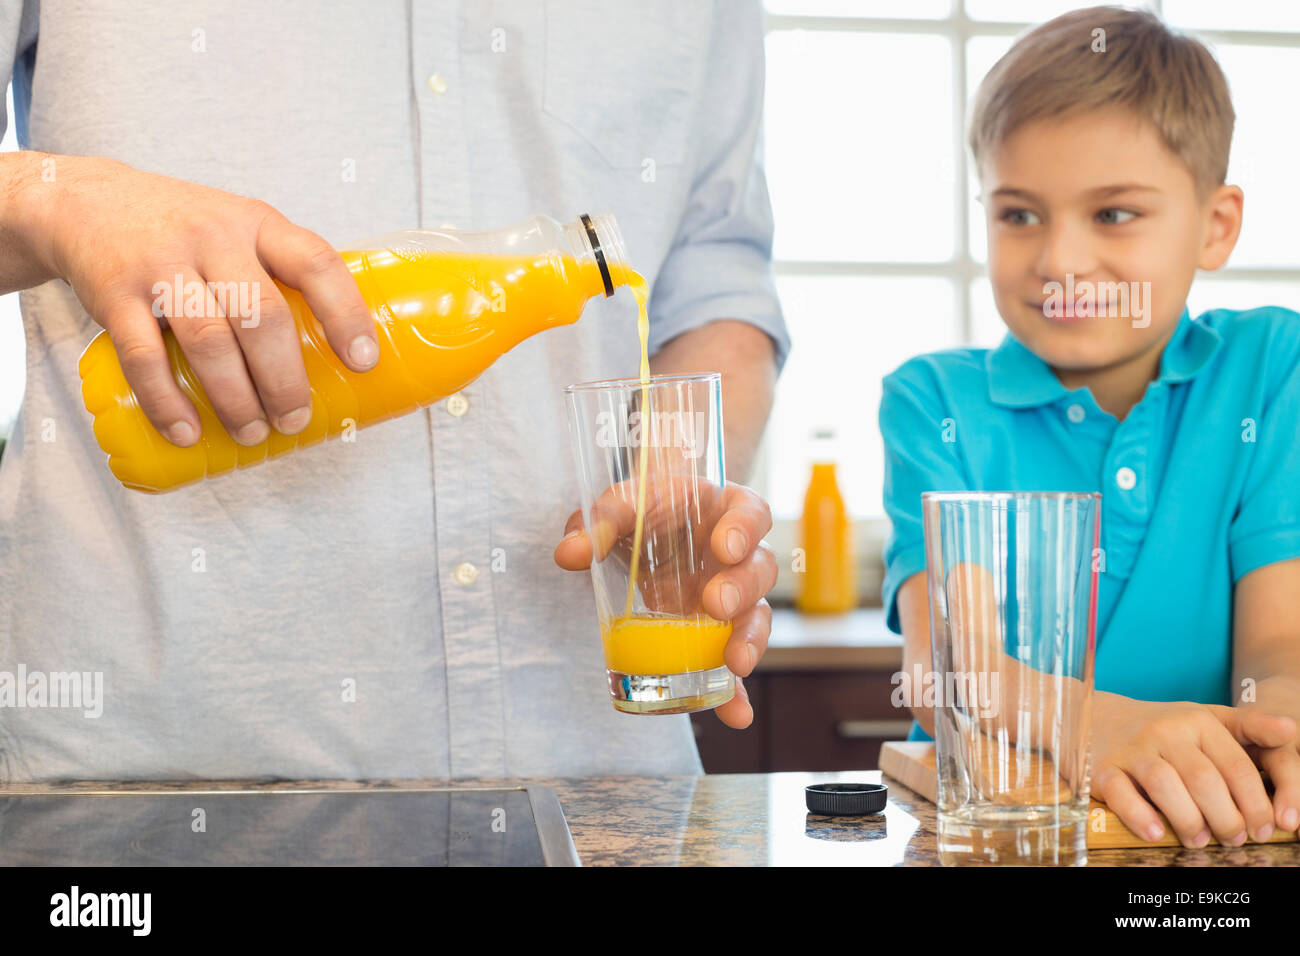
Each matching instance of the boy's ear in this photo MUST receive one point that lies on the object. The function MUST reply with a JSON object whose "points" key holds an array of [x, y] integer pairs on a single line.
{"points": [[1223, 226]]}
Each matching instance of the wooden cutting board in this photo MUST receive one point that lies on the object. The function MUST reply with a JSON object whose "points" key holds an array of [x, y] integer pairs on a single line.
{"points": [[911, 763]]}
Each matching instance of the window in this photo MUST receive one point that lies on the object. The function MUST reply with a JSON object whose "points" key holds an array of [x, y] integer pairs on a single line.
{"points": [[880, 244]]}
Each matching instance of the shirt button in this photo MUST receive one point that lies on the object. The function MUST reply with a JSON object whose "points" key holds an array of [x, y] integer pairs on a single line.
{"points": [[1126, 478], [457, 404], [465, 573], [437, 84], [1075, 413]]}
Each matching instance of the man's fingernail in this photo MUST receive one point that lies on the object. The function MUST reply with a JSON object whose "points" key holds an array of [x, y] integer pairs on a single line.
{"points": [[752, 651], [253, 433], [1201, 839], [295, 421], [181, 433], [1155, 831], [1263, 833], [730, 595], [740, 689], [737, 546], [1290, 818], [1239, 839], [363, 351], [572, 534]]}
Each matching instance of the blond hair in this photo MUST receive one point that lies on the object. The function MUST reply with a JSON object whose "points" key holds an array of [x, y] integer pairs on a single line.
{"points": [[1135, 62]]}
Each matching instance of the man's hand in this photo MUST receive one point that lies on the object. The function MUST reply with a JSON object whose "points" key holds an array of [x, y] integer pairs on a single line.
{"points": [[114, 233], [744, 572], [1197, 764]]}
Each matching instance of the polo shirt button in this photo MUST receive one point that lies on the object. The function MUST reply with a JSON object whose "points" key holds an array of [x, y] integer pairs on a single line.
{"points": [[1075, 413], [1126, 478], [465, 573], [457, 404], [437, 84]]}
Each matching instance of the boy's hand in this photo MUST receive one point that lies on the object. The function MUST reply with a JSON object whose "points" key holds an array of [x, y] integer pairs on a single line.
{"points": [[735, 592], [1191, 762]]}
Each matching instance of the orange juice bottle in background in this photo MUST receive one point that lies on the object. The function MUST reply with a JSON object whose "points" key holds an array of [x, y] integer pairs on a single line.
{"points": [[446, 304], [828, 584]]}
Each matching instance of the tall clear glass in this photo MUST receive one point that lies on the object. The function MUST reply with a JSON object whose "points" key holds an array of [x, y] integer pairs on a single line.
{"points": [[663, 653], [1013, 598]]}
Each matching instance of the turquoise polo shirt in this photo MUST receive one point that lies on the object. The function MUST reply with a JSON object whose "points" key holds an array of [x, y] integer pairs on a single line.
{"points": [[1200, 482]]}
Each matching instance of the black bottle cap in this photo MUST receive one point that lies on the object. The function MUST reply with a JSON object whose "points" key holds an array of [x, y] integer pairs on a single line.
{"points": [[846, 799]]}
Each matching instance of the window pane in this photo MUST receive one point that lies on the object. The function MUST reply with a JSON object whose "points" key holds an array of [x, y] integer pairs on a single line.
{"points": [[981, 54], [1264, 151], [849, 332], [1218, 292], [1237, 15], [1025, 11], [910, 9], [987, 327], [867, 176]]}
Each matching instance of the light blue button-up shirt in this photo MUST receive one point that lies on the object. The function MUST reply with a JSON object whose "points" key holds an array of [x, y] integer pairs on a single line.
{"points": [[306, 618], [1200, 482]]}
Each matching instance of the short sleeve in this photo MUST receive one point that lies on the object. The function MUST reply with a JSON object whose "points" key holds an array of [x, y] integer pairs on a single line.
{"points": [[720, 263], [921, 454], [1266, 527]]}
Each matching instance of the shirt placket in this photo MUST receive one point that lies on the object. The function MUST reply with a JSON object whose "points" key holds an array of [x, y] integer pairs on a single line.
{"points": [[458, 427]]}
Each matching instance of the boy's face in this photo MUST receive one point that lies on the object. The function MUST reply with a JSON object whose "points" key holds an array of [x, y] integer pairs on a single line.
{"points": [[1094, 207]]}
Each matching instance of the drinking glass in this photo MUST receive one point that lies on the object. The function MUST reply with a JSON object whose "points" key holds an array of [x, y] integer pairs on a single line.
{"points": [[663, 653], [1013, 595]]}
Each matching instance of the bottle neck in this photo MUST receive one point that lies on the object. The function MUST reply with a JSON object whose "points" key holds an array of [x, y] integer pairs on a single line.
{"points": [[597, 246]]}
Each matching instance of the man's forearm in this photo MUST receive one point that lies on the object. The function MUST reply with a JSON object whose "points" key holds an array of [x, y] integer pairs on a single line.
{"points": [[744, 355]]}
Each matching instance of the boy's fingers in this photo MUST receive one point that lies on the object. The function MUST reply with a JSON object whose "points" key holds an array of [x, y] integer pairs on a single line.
{"points": [[1208, 786], [1283, 767], [1117, 792], [1242, 778], [1166, 791]]}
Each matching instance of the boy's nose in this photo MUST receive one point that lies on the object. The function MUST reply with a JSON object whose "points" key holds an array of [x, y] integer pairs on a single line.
{"points": [[1066, 250]]}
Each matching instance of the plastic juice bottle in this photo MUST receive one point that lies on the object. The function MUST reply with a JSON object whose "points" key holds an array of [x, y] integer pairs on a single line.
{"points": [[447, 305], [828, 584]]}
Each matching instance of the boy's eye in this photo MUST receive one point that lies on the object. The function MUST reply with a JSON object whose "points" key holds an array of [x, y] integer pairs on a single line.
{"points": [[1114, 217], [1018, 217]]}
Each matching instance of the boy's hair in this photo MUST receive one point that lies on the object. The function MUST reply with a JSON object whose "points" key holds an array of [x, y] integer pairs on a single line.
{"points": [[1138, 63]]}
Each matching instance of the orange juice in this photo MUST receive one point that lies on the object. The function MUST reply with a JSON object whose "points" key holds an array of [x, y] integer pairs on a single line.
{"points": [[828, 584], [663, 645], [640, 291], [442, 317]]}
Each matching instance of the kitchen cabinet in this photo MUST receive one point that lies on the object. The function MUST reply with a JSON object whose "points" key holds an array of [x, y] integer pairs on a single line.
{"points": [[821, 698]]}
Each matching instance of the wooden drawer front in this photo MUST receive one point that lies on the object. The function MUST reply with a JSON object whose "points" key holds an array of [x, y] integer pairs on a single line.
{"points": [[832, 721]]}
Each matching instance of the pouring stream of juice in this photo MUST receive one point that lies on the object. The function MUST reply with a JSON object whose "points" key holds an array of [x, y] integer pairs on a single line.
{"points": [[641, 292]]}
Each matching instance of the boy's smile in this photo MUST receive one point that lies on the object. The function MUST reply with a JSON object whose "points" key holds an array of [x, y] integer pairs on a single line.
{"points": [[1095, 233]]}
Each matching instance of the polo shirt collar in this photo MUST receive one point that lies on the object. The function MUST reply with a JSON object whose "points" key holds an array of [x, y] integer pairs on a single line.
{"points": [[1020, 379]]}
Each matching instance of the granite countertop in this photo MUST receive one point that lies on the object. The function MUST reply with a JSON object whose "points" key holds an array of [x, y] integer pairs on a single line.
{"points": [[735, 820]]}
